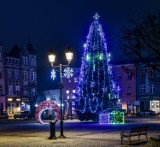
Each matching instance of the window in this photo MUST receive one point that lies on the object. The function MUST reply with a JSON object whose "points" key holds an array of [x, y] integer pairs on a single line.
{"points": [[129, 76], [119, 76], [25, 92], [33, 76], [142, 74], [0, 89], [16, 74], [33, 61], [152, 88], [0, 75], [129, 89], [0, 56], [25, 75], [142, 89], [17, 88], [24, 60], [10, 89], [9, 74], [151, 73]]}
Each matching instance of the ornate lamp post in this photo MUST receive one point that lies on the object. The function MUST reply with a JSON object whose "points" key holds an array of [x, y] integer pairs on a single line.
{"points": [[52, 58]]}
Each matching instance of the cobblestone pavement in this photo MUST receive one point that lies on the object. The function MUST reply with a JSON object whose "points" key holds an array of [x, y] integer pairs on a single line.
{"points": [[82, 137]]}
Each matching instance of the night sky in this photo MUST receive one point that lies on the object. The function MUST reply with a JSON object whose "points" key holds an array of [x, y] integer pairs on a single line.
{"points": [[55, 24]]}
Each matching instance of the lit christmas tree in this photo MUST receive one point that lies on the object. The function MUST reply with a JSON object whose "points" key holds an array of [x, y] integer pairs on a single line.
{"points": [[97, 90]]}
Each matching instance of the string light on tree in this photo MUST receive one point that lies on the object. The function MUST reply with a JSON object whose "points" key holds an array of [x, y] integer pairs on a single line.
{"points": [[96, 86]]}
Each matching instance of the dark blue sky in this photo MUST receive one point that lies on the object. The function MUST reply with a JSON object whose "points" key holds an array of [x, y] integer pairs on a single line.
{"points": [[55, 24]]}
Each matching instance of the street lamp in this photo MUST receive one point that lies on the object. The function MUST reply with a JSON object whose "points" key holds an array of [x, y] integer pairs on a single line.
{"points": [[52, 58]]}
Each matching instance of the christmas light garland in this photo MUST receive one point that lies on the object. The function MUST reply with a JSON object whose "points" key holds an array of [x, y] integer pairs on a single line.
{"points": [[45, 105]]}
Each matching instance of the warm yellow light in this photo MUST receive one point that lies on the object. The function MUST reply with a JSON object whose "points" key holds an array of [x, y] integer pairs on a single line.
{"points": [[69, 55], [51, 57], [10, 99]]}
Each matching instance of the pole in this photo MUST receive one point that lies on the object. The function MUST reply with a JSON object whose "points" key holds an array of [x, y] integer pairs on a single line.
{"points": [[71, 108], [52, 131], [61, 99]]}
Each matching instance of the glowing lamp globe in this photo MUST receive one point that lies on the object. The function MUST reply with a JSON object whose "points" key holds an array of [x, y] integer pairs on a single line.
{"points": [[51, 57], [69, 55]]}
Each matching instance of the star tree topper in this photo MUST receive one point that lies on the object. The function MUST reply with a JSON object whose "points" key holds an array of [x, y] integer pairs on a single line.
{"points": [[96, 16]]}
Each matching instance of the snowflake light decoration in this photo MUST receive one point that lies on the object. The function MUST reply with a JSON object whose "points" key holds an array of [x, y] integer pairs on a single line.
{"points": [[53, 74], [68, 72]]}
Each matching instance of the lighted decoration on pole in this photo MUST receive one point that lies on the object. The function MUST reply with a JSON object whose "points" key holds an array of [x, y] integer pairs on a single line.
{"points": [[53, 74], [68, 72], [69, 57], [97, 90], [45, 105]]}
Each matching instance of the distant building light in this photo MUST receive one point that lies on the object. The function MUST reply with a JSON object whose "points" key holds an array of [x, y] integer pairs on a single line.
{"points": [[18, 99], [84, 45], [74, 91], [36, 105], [60, 105], [10, 99], [48, 98], [67, 91]]}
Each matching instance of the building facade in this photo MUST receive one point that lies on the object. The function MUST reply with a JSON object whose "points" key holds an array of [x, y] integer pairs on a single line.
{"points": [[2, 82], [19, 73], [70, 91], [148, 88], [125, 78]]}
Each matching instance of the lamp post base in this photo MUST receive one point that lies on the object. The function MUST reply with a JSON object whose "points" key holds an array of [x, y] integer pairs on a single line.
{"points": [[62, 136], [52, 131], [61, 130]]}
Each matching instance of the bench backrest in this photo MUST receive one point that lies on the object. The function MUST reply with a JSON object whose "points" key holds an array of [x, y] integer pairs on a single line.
{"points": [[139, 130]]}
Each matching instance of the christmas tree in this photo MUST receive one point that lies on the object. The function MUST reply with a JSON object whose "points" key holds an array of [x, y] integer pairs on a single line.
{"points": [[97, 90]]}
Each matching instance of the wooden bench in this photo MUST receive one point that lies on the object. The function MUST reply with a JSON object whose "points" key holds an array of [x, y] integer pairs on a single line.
{"points": [[138, 131]]}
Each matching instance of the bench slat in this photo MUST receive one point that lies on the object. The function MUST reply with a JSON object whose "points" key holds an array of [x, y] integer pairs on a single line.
{"points": [[135, 132]]}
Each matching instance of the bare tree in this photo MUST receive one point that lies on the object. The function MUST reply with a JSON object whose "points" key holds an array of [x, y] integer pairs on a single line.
{"points": [[141, 40]]}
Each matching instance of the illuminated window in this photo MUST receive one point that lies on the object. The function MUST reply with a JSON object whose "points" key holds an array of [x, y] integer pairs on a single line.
{"points": [[33, 76]]}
